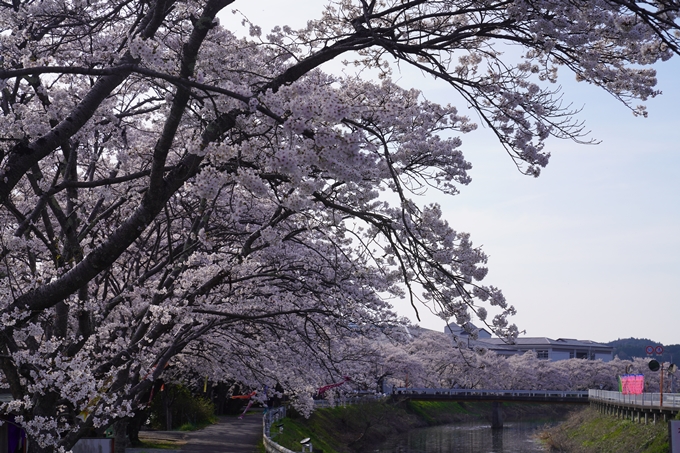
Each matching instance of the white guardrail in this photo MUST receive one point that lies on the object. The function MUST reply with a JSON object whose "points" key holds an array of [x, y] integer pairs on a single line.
{"points": [[272, 416], [670, 400], [347, 401], [537, 394]]}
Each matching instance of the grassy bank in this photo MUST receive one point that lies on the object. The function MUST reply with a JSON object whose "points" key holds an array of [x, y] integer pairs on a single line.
{"points": [[361, 427], [588, 431]]}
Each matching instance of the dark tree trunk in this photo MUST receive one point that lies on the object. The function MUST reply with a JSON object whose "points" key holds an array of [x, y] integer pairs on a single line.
{"points": [[167, 406], [135, 425], [33, 447], [221, 398], [120, 436]]}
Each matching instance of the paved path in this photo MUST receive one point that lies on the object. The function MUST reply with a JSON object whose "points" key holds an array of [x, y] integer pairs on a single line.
{"points": [[229, 435]]}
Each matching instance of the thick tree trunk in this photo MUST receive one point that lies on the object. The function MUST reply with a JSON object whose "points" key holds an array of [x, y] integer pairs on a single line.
{"points": [[167, 406], [33, 447], [120, 436], [221, 398], [135, 425]]}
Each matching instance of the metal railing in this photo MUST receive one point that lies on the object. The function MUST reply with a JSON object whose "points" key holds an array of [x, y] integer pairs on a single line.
{"points": [[670, 400], [536, 394]]}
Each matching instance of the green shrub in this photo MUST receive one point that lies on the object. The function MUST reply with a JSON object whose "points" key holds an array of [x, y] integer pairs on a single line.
{"points": [[177, 408]]}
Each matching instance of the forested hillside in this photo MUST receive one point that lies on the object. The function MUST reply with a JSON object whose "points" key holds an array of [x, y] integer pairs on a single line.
{"points": [[627, 348]]}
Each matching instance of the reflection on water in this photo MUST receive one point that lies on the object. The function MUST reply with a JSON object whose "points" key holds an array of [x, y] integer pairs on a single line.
{"points": [[468, 438]]}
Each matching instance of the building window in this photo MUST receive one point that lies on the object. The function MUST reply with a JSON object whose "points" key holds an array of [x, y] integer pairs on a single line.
{"points": [[581, 355], [542, 354]]}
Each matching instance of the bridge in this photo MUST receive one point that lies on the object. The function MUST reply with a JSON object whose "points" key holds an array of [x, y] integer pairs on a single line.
{"points": [[647, 407], [496, 397], [641, 408], [527, 396]]}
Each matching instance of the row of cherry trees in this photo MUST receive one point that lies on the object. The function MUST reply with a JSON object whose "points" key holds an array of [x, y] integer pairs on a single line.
{"points": [[171, 194], [431, 359], [421, 358]]}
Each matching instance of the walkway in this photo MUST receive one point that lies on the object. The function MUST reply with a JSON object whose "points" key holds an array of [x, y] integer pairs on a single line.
{"points": [[228, 435]]}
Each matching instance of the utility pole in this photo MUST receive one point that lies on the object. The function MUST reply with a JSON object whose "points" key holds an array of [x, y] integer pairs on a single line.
{"points": [[661, 386]]}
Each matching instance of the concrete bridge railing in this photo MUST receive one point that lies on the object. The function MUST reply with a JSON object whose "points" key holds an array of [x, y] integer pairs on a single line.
{"points": [[347, 401], [641, 408], [537, 395], [655, 400]]}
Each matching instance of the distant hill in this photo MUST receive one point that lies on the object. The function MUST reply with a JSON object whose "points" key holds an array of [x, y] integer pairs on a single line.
{"points": [[629, 348]]}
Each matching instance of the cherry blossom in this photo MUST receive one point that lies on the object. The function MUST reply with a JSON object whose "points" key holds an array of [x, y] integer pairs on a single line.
{"points": [[176, 197]]}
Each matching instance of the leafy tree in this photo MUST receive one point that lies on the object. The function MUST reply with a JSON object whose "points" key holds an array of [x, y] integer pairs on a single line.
{"points": [[176, 407], [168, 188]]}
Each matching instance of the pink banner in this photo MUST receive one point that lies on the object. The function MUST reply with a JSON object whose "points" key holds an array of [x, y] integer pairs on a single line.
{"points": [[250, 403], [325, 388], [632, 384]]}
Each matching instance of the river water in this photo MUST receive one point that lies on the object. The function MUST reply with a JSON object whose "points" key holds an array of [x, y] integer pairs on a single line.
{"points": [[516, 437]]}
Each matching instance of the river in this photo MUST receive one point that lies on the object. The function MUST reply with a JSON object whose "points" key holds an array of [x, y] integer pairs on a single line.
{"points": [[518, 437]]}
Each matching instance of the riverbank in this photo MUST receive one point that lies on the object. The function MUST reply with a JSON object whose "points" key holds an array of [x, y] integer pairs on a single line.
{"points": [[362, 427], [588, 431]]}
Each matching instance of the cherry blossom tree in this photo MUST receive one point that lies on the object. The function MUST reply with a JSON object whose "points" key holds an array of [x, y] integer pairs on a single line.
{"points": [[172, 192], [436, 360]]}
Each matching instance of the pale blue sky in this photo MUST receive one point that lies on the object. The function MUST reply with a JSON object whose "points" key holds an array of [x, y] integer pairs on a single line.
{"points": [[591, 248]]}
